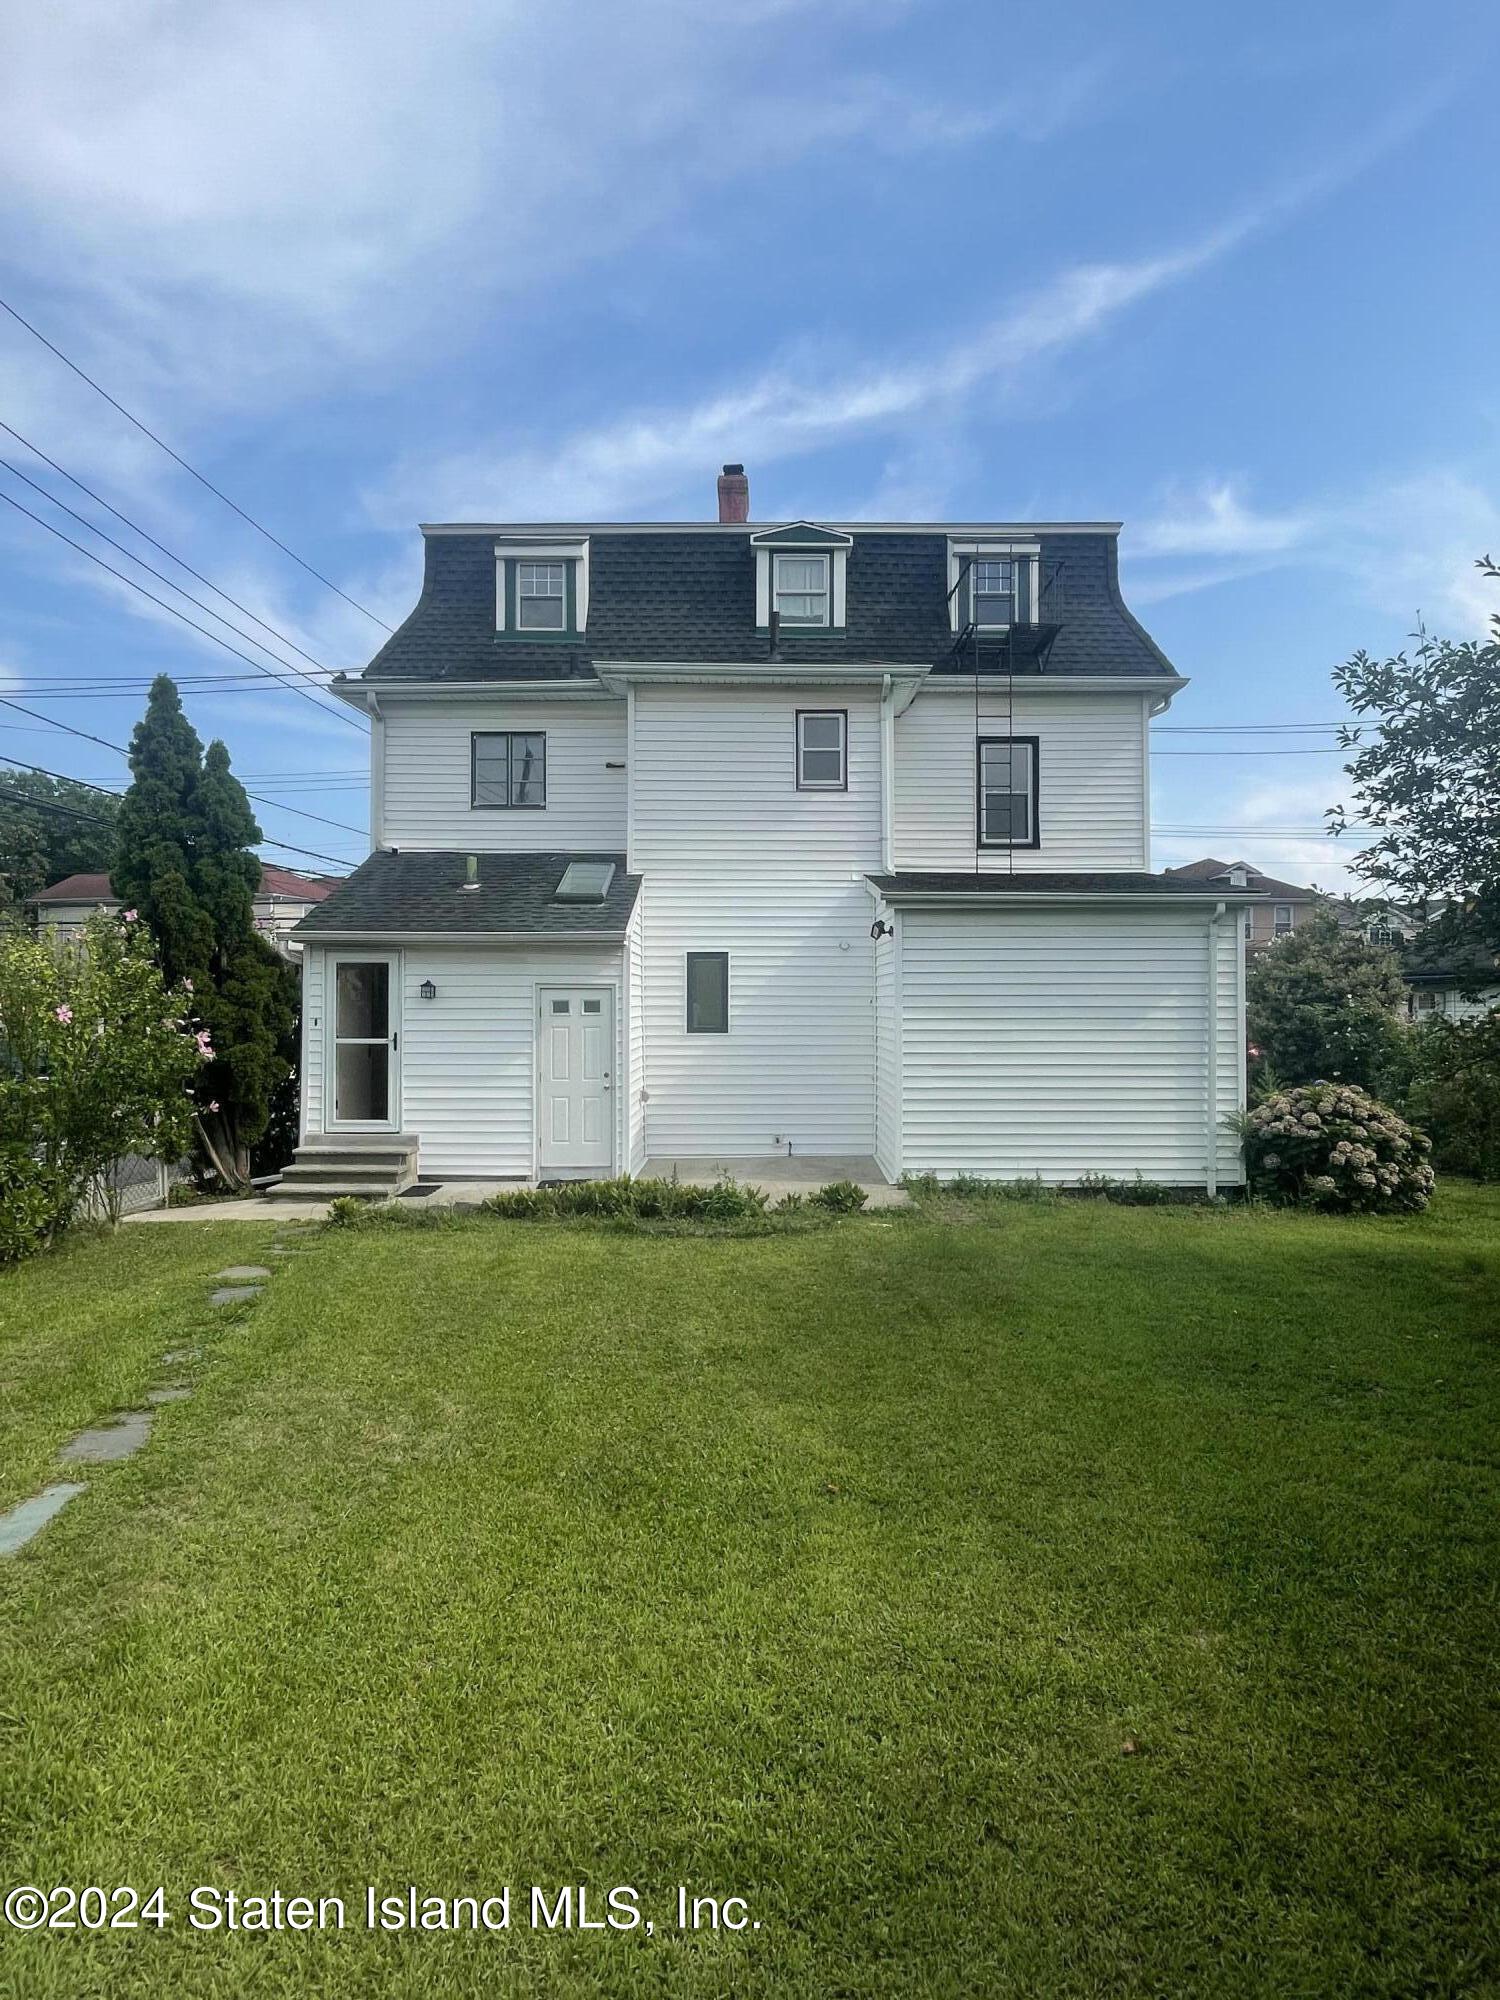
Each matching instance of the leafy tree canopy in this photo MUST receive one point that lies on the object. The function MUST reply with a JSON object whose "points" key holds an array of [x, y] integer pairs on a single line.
{"points": [[1322, 1005], [70, 830], [1429, 778]]}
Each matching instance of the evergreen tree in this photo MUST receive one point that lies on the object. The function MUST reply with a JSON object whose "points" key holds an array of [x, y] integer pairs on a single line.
{"points": [[186, 862]]}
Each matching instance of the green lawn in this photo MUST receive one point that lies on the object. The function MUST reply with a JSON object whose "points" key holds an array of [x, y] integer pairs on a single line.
{"points": [[1069, 1601]]}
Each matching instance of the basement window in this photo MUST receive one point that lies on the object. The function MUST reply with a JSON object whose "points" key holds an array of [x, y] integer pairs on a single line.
{"points": [[708, 992]]}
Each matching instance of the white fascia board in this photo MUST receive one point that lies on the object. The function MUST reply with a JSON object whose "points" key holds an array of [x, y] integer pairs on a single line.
{"points": [[1019, 899], [1165, 685], [616, 678], [364, 694], [561, 530], [393, 939]]}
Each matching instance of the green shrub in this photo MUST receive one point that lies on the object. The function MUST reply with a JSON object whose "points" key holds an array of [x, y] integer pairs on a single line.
{"points": [[921, 1187], [1333, 1146], [628, 1200], [789, 1201], [1455, 1092], [1139, 1193], [840, 1197], [1099, 1186], [347, 1211], [35, 1202]]}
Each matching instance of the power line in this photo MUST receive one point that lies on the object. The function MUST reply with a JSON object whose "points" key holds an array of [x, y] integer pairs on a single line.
{"points": [[178, 459], [297, 812], [140, 562], [97, 819], [296, 688], [1323, 750], [171, 555]]}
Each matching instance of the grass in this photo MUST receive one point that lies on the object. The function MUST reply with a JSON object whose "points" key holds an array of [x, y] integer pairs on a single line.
{"points": [[1004, 1599]]}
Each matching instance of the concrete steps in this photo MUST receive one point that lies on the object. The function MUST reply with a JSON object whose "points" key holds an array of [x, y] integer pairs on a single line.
{"points": [[376, 1167]]}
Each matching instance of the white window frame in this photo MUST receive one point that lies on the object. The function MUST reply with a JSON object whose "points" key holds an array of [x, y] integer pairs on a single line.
{"points": [[576, 553], [557, 571], [1282, 926], [841, 717], [823, 558], [961, 554]]}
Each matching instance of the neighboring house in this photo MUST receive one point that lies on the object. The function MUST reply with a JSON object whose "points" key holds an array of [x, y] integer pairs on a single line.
{"points": [[707, 842], [1285, 908], [285, 897], [1456, 983]]}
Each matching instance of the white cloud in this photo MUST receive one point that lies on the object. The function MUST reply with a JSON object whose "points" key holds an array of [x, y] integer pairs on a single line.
{"points": [[1409, 542], [1278, 818]]}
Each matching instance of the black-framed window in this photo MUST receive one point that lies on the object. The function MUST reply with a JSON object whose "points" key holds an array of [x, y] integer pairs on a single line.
{"points": [[508, 767], [708, 992], [1006, 774], [822, 750], [801, 587]]}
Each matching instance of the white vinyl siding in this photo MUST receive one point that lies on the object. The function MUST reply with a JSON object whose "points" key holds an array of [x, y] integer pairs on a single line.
{"points": [[888, 1049], [1091, 777], [635, 1043], [311, 1114], [428, 776], [1065, 1042], [734, 858], [468, 1057]]}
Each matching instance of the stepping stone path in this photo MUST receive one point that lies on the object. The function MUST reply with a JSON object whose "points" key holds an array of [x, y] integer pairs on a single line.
{"points": [[19, 1525], [108, 1443]]}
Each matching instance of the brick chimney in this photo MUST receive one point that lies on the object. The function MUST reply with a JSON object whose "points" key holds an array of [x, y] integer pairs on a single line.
{"points": [[734, 494]]}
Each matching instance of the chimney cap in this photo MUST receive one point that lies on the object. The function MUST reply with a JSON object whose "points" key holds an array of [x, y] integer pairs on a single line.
{"points": [[732, 469]]}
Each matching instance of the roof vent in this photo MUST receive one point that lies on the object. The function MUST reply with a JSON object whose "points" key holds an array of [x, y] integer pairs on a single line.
{"points": [[585, 882]]}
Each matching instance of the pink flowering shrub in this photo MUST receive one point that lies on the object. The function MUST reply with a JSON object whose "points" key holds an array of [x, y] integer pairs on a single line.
{"points": [[1333, 1146]]}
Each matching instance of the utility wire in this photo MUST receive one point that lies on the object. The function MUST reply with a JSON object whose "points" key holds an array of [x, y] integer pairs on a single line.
{"points": [[178, 459], [171, 555], [297, 812], [98, 819], [270, 673], [140, 562]]}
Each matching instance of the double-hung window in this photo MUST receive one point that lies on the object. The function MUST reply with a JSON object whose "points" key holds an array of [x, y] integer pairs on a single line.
{"points": [[822, 750], [1281, 918], [800, 589], [1007, 774], [508, 768], [994, 580], [541, 596]]}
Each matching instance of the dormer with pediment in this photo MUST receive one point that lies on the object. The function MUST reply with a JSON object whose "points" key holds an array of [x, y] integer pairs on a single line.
{"points": [[802, 577]]}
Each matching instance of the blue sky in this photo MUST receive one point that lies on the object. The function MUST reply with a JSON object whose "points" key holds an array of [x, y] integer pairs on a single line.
{"points": [[1227, 274]]}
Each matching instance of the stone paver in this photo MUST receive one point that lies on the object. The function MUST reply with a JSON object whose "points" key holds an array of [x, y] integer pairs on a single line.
{"points": [[234, 1295], [169, 1392], [175, 1356], [239, 1274], [105, 1444], [19, 1525]]}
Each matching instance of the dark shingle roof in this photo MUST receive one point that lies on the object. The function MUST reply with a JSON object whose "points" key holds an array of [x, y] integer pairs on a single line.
{"points": [[395, 893], [669, 595], [1209, 870], [1034, 882]]}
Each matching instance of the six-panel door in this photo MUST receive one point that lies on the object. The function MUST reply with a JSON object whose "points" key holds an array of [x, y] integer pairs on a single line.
{"points": [[576, 1040]]}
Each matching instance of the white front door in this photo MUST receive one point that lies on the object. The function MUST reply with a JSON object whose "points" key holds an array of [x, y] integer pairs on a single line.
{"points": [[364, 1040], [576, 1049]]}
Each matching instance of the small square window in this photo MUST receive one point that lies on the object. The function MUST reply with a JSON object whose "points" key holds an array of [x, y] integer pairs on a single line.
{"points": [[801, 589], [560, 1006], [708, 992], [592, 1006], [508, 767], [822, 750], [541, 596]]}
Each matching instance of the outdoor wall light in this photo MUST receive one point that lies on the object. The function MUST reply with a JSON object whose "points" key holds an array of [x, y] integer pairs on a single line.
{"points": [[427, 990], [880, 928]]}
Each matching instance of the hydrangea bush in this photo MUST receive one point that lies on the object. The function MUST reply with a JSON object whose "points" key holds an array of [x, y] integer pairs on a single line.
{"points": [[1333, 1146]]}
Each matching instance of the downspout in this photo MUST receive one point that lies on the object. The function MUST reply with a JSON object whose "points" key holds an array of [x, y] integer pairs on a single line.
{"points": [[887, 776], [1211, 1047]]}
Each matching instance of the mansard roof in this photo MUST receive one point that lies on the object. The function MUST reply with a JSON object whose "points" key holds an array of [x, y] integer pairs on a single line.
{"points": [[687, 593]]}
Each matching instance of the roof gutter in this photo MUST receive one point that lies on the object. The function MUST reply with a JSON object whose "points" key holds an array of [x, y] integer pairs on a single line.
{"points": [[947, 899], [391, 936]]}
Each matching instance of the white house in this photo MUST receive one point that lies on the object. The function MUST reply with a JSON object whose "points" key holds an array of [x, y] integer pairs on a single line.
{"points": [[716, 842]]}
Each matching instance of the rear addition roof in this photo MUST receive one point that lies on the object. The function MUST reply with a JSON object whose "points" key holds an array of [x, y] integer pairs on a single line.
{"points": [[411, 893]]}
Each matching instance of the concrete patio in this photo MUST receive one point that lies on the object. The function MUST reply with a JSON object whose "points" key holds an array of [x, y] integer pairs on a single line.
{"points": [[800, 1174]]}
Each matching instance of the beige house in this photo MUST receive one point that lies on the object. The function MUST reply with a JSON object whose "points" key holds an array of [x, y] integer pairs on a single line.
{"points": [[1286, 910], [285, 898]]}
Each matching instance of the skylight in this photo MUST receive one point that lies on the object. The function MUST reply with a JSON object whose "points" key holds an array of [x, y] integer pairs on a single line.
{"points": [[585, 882]]}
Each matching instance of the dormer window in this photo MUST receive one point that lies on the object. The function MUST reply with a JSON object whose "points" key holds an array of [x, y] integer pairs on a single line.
{"points": [[801, 589], [541, 592], [993, 586], [801, 575], [994, 579]]}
